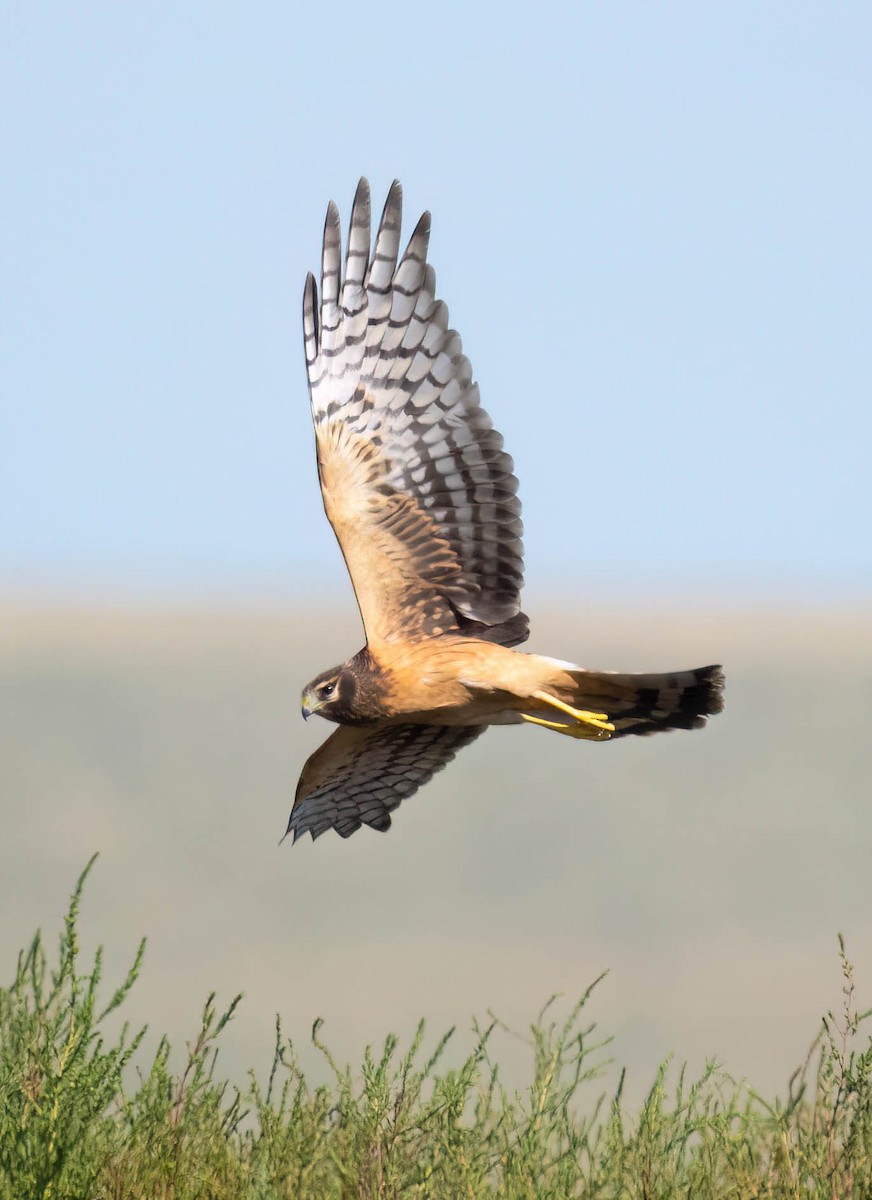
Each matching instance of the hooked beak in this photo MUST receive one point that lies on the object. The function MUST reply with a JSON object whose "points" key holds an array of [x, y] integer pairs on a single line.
{"points": [[310, 705]]}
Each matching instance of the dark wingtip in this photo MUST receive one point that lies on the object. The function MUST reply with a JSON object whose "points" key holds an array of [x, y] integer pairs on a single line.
{"points": [[422, 229], [714, 680]]}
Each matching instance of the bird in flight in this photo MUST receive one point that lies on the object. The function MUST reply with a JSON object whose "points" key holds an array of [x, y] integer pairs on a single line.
{"points": [[423, 501]]}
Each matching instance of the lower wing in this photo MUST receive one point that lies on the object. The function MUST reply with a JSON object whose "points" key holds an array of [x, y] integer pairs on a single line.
{"points": [[361, 773]]}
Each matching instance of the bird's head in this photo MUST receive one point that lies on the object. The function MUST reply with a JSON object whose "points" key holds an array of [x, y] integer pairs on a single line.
{"points": [[328, 694]]}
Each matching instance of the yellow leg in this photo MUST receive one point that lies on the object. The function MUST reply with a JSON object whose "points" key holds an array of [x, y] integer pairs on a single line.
{"points": [[596, 720], [575, 730]]}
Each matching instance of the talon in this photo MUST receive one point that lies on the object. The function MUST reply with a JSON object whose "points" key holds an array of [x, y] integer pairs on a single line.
{"points": [[575, 730], [596, 720]]}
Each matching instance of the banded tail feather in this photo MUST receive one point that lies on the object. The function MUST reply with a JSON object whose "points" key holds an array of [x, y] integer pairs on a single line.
{"points": [[652, 703]]}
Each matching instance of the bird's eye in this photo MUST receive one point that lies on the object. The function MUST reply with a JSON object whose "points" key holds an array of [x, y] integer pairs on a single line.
{"points": [[327, 690]]}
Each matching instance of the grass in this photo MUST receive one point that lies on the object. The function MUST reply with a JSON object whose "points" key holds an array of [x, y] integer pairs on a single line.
{"points": [[81, 1117]]}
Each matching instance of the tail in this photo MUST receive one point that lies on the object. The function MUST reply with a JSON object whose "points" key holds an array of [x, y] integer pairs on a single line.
{"points": [[646, 704]]}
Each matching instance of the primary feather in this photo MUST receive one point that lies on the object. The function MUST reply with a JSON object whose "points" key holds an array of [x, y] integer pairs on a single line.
{"points": [[383, 364]]}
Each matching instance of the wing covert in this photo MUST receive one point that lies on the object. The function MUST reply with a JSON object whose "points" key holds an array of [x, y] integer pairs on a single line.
{"points": [[362, 773], [420, 493]]}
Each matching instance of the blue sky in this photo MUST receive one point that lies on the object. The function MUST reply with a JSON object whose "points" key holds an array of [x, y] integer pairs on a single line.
{"points": [[651, 224]]}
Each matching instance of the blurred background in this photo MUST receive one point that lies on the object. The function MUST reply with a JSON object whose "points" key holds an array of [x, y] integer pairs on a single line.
{"points": [[651, 226]]}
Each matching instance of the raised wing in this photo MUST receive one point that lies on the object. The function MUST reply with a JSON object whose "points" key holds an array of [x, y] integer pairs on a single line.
{"points": [[416, 484], [361, 773]]}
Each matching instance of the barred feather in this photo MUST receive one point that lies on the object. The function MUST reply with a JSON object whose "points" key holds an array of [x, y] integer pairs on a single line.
{"points": [[382, 360], [645, 704], [360, 775]]}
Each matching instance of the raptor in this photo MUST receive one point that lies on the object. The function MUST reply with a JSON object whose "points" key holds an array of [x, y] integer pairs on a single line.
{"points": [[423, 501]]}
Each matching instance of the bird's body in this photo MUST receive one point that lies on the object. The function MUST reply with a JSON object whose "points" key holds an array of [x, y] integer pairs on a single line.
{"points": [[462, 681], [423, 501]]}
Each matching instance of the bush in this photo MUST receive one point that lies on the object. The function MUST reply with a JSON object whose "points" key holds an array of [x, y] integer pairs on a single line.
{"points": [[71, 1126]]}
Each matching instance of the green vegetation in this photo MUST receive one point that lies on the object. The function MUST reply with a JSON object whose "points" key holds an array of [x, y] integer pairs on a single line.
{"points": [[77, 1121]]}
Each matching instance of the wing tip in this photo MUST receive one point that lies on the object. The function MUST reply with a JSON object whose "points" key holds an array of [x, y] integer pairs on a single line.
{"points": [[357, 250], [296, 830], [713, 681], [421, 232], [330, 255], [310, 319], [362, 193], [392, 213]]}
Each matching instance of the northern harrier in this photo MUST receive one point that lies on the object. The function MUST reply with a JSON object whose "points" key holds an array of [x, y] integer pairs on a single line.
{"points": [[422, 499]]}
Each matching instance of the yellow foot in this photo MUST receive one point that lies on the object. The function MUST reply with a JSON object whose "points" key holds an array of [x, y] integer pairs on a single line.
{"points": [[587, 733], [598, 721]]}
